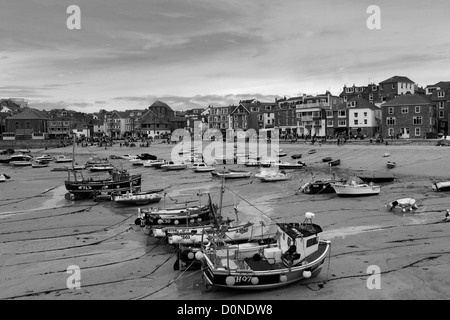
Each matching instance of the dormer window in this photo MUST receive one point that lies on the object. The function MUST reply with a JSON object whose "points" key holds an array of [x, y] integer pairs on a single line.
{"points": [[441, 94]]}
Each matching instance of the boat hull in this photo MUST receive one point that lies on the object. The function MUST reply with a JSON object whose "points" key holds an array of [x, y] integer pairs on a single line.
{"points": [[137, 199], [351, 191], [263, 279], [441, 186], [89, 189]]}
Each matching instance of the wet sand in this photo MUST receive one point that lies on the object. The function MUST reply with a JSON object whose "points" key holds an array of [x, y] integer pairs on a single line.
{"points": [[42, 233]]}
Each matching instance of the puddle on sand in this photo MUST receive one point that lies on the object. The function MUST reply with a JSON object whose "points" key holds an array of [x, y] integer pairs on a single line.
{"points": [[343, 232]]}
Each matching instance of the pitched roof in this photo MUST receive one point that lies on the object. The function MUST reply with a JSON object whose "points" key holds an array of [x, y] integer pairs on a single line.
{"points": [[363, 104], [158, 103], [397, 79], [29, 114], [407, 99]]}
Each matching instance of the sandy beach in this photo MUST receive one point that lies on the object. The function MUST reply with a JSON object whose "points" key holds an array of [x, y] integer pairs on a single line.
{"points": [[42, 233]]}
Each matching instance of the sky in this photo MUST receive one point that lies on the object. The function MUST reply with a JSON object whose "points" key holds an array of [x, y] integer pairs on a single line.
{"points": [[195, 53]]}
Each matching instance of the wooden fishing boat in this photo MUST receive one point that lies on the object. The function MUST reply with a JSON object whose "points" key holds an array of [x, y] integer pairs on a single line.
{"points": [[296, 156], [138, 198], [327, 159], [352, 188], [173, 217], [390, 164], [441, 186], [376, 177], [298, 254], [119, 181], [334, 163], [404, 204], [97, 162]]}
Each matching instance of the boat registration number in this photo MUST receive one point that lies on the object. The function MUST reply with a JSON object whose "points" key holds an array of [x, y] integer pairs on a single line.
{"points": [[244, 279]]}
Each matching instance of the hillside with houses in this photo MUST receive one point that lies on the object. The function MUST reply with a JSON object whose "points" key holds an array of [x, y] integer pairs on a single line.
{"points": [[395, 108]]}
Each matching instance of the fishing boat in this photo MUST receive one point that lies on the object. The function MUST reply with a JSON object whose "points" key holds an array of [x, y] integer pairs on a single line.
{"points": [[137, 162], [173, 166], [269, 163], [390, 164], [334, 163], [159, 163], [62, 158], [326, 159], [39, 164], [272, 176], [21, 163], [45, 157], [101, 167], [288, 165], [298, 254], [128, 157], [4, 177], [404, 204], [96, 162], [118, 181], [319, 186], [296, 156], [232, 174], [138, 198], [376, 177], [312, 151], [202, 167], [441, 186], [252, 163], [20, 158], [75, 167], [280, 153], [149, 163], [387, 154], [353, 188], [191, 216]]}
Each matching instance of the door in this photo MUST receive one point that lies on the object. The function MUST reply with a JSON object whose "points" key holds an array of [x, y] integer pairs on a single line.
{"points": [[405, 133]]}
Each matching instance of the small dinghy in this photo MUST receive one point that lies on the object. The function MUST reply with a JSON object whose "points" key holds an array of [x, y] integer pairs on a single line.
{"points": [[334, 163], [296, 156], [387, 154], [404, 204], [327, 159], [390, 164], [4, 177], [312, 151]]}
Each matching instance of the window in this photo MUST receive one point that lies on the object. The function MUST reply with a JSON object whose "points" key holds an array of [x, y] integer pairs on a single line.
{"points": [[365, 114], [355, 122], [390, 121], [374, 88], [329, 113], [391, 132], [342, 123], [441, 94], [417, 120], [342, 113], [349, 90], [417, 131], [345, 98], [441, 104], [311, 242], [365, 121], [393, 86], [356, 114], [405, 109], [441, 113], [391, 110], [329, 123], [417, 109]]}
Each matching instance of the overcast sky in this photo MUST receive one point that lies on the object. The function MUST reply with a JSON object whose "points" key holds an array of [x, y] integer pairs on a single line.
{"points": [[191, 53]]}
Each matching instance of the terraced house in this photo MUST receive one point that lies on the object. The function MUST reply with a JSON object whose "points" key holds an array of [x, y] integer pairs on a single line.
{"points": [[439, 94], [409, 116]]}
